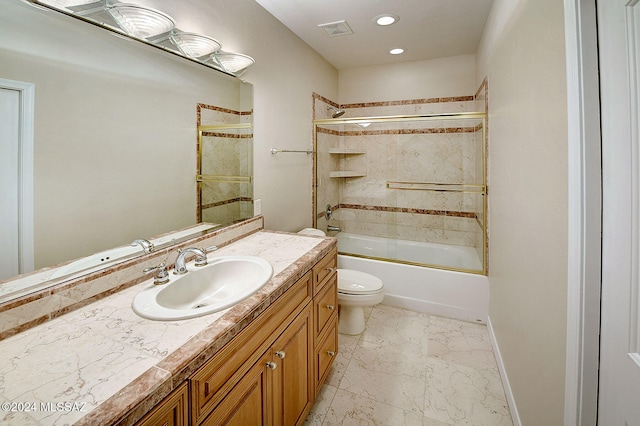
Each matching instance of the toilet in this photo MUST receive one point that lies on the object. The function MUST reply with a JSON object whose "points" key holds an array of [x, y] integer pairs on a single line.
{"points": [[356, 290]]}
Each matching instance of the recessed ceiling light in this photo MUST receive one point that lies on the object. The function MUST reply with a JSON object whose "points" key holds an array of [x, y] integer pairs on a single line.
{"points": [[397, 51], [385, 19]]}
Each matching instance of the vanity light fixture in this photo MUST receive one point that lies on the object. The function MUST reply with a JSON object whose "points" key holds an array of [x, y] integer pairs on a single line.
{"points": [[141, 22], [194, 45], [386, 19], [153, 27], [64, 4], [396, 51], [234, 63]]}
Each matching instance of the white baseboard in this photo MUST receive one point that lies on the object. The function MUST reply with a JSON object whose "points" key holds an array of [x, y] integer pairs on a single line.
{"points": [[503, 375]]}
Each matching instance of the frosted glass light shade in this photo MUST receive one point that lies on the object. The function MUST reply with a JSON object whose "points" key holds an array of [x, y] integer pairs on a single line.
{"points": [[195, 45], [232, 62], [63, 4], [141, 22]]}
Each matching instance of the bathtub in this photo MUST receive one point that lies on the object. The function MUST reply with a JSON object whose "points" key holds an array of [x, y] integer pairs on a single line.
{"points": [[452, 294]]}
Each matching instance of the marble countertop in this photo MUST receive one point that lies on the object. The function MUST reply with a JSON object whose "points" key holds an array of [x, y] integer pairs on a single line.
{"points": [[95, 364]]}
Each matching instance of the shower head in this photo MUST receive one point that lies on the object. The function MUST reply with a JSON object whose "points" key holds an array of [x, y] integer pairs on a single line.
{"points": [[335, 113]]}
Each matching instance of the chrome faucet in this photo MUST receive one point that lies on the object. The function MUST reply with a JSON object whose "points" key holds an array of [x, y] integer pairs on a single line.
{"points": [[331, 228], [180, 267], [147, 246]]}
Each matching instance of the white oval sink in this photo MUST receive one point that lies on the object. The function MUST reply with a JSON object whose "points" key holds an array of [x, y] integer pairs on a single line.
{"points": [[221, 284]]}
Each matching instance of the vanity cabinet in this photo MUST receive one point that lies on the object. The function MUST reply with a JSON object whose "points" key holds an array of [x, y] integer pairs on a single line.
{"points": [[258, 349], [325, 310], [172, 411], [270, 372]]}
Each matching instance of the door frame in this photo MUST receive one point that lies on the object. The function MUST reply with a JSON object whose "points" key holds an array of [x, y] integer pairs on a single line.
{"points": [[26, 168], [584, 277]]}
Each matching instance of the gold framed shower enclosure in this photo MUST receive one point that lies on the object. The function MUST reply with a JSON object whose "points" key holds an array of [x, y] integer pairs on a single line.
{"points": [[224, 173], [408, 183]]}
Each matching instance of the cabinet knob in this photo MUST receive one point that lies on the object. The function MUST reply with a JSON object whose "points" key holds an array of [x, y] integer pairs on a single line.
{"points": [[331, 353], [272, 365], [331, 269], [281, 354], [330, 307]]}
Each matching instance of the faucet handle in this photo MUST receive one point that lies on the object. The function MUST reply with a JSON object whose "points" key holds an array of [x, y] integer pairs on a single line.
{"points": [[161, 276], [202, 261]]}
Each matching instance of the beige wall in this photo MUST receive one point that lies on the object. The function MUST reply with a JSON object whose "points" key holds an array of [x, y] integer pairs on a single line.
{"points": [[431, 78], [523, 56], [286, 74]]}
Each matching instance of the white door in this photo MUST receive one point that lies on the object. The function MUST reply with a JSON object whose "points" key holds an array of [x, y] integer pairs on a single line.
{"points": [[9, 178], [619, 58], [17, 107]]}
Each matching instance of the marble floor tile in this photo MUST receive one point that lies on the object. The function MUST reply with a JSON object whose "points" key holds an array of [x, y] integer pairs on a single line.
{"points": [[409, 368], [463, 395], [460, 342], [322, 405], [399, 390], [351, 409], [396, 327]]}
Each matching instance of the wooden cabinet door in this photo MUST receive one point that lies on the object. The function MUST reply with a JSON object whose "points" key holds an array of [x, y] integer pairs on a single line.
{"points": [[172, 411], [249, 402], [293, 385]]}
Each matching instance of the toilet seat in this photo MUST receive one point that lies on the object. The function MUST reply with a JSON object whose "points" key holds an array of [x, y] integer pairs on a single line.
{"points": [[356, 282]]}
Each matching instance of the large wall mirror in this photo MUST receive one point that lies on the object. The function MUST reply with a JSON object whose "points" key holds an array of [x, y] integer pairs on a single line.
{"points": [[116, 130]]}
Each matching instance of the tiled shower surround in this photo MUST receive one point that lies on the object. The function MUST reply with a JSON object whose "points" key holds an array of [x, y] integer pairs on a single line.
{"points": [[387, 164], [225, 154]]}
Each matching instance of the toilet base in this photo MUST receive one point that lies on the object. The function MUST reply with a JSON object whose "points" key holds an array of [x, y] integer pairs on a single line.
{"points": [[351, 320]]}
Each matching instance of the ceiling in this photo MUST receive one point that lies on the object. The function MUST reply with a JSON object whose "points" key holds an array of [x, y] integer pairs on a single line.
{"points": [[427, 28]]}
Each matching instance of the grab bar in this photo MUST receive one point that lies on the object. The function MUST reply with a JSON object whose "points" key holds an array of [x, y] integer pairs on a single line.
{"points": [[276, 150]]}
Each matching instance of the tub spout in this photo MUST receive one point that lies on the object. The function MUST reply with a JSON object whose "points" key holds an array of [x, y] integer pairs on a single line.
{"points": [[331, 228]]}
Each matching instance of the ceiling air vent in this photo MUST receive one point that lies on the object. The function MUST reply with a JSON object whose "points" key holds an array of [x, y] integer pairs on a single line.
{"points": [[336, 28]]}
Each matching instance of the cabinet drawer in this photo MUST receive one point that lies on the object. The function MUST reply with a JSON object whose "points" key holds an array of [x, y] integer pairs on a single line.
{"points": [[326, 352], [324, 269], [326, 304], [171, 411], [218, 376]]}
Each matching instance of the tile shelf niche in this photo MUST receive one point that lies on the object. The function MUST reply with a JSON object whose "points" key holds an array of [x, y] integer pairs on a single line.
{"points": [[345, 173]]}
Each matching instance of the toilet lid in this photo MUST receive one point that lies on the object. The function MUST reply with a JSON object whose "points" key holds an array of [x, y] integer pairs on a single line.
{"points": [[356, 282]]}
